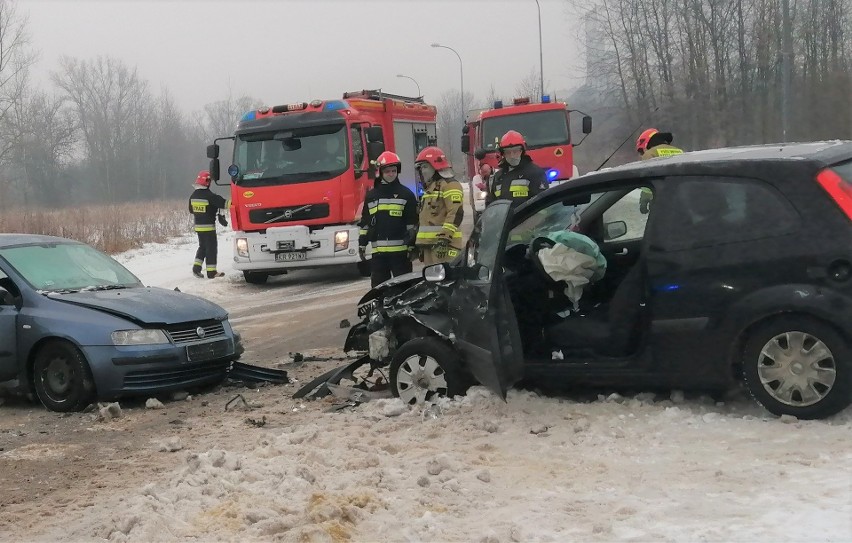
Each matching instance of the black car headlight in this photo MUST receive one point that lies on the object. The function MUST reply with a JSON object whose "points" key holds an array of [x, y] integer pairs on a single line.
{"points": [[366, 309]]}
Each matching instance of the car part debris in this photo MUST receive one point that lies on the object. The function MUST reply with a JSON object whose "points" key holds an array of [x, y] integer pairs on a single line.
{"points": [[363, 390], [257, 423], [341, 406], [237, 397], [254, 374]]}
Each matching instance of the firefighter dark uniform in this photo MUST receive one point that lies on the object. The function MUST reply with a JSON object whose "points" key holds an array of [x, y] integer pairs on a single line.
{"points": [[204, 205], [519, 182], [652, 144], [439, 235], [389, 223]]}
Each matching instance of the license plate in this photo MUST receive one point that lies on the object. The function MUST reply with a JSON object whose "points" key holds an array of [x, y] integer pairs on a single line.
{"points": [[291, 257], [206, 351]]}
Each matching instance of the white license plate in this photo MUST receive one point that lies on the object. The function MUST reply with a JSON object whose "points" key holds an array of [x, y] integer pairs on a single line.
{"points": [[291, 257]]}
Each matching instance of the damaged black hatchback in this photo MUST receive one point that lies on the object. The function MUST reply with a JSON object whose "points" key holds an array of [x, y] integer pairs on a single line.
{"points": [[741, 270]]}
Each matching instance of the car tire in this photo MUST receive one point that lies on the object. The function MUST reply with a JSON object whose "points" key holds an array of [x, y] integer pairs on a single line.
{"points": [[255, 278], [424, 369], [798, 366], [62, 378]]}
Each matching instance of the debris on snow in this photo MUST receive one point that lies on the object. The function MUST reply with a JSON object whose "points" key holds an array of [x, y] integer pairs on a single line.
{"points": [[173, 444], [154, 403], [179, 395], [109, 411]]}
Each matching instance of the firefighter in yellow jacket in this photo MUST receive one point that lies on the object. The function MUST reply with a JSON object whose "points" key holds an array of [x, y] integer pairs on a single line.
{"points": [[651, 144], [439, 235]]}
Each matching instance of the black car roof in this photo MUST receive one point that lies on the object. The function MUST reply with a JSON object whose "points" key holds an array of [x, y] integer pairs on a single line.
{"points": [[14, 240], [725, 160]]}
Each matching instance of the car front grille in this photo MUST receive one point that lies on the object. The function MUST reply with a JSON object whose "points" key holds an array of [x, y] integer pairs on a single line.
{"points": [[185, 374], [187, 332], [290, 213]]}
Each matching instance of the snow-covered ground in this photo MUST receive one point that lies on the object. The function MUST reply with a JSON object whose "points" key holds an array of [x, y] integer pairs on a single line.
{"points": [[534, 468]]}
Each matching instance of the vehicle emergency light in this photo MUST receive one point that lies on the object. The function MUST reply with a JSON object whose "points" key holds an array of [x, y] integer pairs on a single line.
{"points": [[498, 104], [249, 116], [551, 174], [545, 99], [521, 101], [334, 105]]}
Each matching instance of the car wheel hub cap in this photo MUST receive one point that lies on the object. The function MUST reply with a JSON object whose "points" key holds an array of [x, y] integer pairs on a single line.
{"points": [[57, 376], [796, 369], [419, 379]]}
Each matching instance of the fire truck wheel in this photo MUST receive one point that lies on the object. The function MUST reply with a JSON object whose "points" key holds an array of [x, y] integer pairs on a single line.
{"points": [[255, 278]]}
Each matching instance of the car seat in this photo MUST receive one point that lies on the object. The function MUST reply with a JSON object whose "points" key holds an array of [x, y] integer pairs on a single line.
{"points": [[613, 329]]}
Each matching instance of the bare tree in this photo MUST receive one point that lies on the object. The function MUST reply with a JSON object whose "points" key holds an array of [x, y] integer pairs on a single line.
{"points": [[220, 118], [449, 127], [16, 58], [528, 86], [113, 106]]}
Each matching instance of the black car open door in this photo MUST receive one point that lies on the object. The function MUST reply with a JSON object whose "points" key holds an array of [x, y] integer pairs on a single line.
{"points": [[487, 330]]}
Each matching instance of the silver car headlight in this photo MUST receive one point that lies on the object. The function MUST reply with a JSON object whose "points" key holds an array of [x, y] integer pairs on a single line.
{"points": [[139, 337]]}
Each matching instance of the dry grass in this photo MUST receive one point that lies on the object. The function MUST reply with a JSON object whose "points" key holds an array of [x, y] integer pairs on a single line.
{"points": [[110, 228]]}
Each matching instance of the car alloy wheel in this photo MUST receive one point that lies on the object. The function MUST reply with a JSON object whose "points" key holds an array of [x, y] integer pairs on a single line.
{"points": [[797, 369], [424, 369], [797, 365]]}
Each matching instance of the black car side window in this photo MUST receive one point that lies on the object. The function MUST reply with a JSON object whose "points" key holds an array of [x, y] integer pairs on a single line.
{"points": [[706, 211]]}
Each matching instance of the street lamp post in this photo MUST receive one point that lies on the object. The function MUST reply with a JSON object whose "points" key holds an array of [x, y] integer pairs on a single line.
{"points": [[461, 72], [540, 51], [415, 82]]}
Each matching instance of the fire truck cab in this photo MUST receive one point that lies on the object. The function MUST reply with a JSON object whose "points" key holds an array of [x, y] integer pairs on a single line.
{"points": [[300, 173], [545, 126]]}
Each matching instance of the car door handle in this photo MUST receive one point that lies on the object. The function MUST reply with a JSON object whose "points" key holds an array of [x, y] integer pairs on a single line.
{"points": [[622, 252]]}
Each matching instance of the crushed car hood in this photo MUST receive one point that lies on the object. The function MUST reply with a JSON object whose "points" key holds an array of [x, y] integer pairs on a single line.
{"points": [[146, 305], [403, 281]]}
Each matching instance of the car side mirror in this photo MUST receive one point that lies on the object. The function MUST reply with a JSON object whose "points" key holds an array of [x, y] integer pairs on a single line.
{"points": [[214, 169], [587, 124], [615, 230], [374, 149], [435, 273], [465, 144], [213, 151]]}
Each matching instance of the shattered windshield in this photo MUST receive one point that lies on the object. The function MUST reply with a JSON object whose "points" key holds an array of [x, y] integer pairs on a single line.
{"points": [[68, 267], [539, 128], [291, 156]]}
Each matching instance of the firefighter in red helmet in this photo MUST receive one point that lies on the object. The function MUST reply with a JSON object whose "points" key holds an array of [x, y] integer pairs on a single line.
{"points": [[518, 178], [439, 234], [205, 206], [388, 222], [651, 144]]}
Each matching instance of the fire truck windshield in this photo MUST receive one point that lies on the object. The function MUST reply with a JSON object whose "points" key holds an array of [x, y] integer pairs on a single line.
{"points": [[539, 128], [291, 156]]}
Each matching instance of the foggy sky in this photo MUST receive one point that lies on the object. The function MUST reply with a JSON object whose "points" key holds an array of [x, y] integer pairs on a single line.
{"points": [[293, 50]]}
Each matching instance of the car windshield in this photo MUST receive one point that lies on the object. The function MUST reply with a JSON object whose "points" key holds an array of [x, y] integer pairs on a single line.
{"points": [[68, 267], [539, 128], [291, 156], [552, 218]]}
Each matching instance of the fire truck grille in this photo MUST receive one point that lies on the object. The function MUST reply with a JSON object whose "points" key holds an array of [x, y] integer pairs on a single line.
{"points": [[287, 214]]}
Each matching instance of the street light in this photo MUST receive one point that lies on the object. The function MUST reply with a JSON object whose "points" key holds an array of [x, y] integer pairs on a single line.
{"points": [[415, 82], [540, 51], [461, 72]]}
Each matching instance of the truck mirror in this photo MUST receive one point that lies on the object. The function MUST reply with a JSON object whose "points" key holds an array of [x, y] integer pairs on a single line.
{"points": [[374, 134], [587, 124], [214, 168], [465, 144], [213, 151], [466, 129], [374, 149], [480, 154]]}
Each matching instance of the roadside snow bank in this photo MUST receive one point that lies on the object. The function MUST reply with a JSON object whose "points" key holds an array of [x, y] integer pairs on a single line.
{"points": [[531, 469]]}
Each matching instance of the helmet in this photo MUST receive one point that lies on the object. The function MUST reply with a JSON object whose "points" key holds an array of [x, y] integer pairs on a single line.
{"points": [[512, 139], [643, 143], [388, 159], [203, 178], [435, 157]]}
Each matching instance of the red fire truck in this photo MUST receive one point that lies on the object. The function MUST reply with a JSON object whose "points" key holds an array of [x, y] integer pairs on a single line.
{"points": [[545, 126], [300, 173]]}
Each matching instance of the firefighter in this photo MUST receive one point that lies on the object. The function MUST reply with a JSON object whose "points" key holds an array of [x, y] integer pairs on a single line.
{"points": [[518, 178], [651, 144], [439, 235], [205, 206], [388, 221]]}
